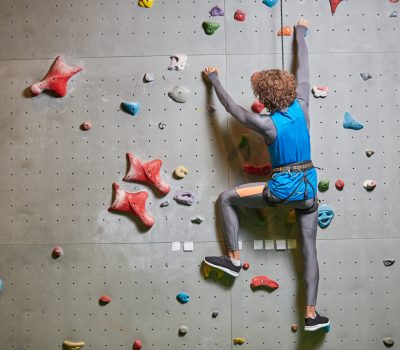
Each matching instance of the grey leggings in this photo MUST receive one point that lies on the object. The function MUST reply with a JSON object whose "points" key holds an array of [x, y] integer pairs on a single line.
{"points": [[257, 195]]}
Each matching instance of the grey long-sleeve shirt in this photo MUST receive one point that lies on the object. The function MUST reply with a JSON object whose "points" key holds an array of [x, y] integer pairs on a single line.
{"points": [[263, 124]]}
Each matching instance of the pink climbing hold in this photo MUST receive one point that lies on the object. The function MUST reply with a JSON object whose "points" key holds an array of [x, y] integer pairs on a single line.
{"points": [[260, 281], [334, 4], [137, 345], [240, 16], [132, 202], [339, 184], [86, 126], [104, 300], [394, 1], [257, 170], [257, 107], [56, 79], [57, 252], [146, 172]]}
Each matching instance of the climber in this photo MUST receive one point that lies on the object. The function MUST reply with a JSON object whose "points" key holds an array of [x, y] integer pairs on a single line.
{"points": [[294, 179]]}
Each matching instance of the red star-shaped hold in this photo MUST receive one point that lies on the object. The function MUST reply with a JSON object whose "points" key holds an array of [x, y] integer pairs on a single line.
{"points": [[146, 172], [132, 202], [56, 79]]}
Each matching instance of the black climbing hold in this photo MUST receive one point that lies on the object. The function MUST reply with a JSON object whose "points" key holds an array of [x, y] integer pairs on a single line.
{"points": [[365, 76], [215, 314], [389, 342], [388, 262], [164, 204]]}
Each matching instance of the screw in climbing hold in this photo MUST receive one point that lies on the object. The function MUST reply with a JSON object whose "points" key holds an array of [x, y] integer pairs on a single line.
{"points": [[240, 16], [210, 27], [183, 330], [393, 14], [270, 3], [325, 215], [214, 314], [350, 123], [216, 11], [104, 300], [131, 107], [86, 126], [388, 262], [339, 184], [179, 94], [164, 204], [181, 171], [369, 185], [137, 345], [285, 31], [365, 76], [246, 266], [57, 252], [389, 342], [320, 91], [183, 298], [323, 185], [257, 106], [1, 285]]}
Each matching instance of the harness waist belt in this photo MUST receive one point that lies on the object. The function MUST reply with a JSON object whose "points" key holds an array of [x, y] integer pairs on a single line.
{"points": [[301, 166]]}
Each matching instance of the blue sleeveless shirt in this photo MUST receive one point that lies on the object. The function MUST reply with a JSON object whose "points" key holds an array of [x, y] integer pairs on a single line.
{"points": [[292, 145]]}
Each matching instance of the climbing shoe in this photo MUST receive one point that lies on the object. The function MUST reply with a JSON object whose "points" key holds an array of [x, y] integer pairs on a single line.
{"points": [[223, 263], [312, 324]]}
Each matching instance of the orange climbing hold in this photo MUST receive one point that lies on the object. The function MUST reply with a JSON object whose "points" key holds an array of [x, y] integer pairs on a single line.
{"points": [[334, 4], [260, 281], [285, 31]]}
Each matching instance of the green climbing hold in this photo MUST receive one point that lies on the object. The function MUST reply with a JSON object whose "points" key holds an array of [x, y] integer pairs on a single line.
{"points": [[210, 27], [244, 141], [323, 185]]}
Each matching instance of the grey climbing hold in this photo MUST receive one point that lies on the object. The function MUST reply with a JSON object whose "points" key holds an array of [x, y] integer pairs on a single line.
{"points": [[393, 14], [216, 11], [185, 198], [183, 330], [178, 62], [215, 314], [197, 220], [350, 123], [164, 204], [179, 94], [365, 76], [148, 77], [369, 152], [369, 185], [388, 341], [388, 262]]}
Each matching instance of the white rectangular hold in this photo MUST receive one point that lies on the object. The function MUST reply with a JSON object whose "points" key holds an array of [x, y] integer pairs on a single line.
{"points": [[280, 244], [291, 244], [176, 246], [187, 246], [258, 244], [269, 244], [240, 245]]}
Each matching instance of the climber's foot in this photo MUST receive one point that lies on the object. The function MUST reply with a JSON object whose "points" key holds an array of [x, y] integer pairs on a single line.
{"points": [[312, 324], [223, 263]]}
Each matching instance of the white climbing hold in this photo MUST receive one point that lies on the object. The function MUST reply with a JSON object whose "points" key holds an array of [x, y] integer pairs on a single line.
{"points": [[369, 185], [148, 77], [179, 94], [320, 91], [183, 330], [178, 62]]}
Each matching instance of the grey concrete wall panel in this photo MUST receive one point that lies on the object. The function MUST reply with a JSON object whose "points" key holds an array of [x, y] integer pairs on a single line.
{"points": [[43, 29]]}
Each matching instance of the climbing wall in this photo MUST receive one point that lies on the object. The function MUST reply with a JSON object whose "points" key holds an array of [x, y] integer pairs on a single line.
{"points": [[57, 179]]}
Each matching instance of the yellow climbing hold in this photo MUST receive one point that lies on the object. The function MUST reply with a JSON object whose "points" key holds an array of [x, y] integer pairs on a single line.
{"points": [[239, 341], [291, 218], [207, 269], [146, 3], [70, 345], [181, 171]]}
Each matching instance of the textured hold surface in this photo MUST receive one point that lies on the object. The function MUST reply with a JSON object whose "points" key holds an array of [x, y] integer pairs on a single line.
{"points": [[270, 3], [323, 185], [86, 126], [240, 16], [183, 329], [369, 152], [263, 281], [339, 184], [388, 341], [137, 345], [334, 5], [132, 202], [148, 172], [181, 171], [146, 3], [210, 27], [216, 11], [393, 14], [388, 262], [246, 266], [257, 106], [183, 298], [131, 107], [325, 215], [178, 62], [197, 220], [104, 300], [369, 185], [56, 79], [244, 141], [149, 77], [71, 345], [261, 170], [57, 252], [320, 91], [185, 198], [350, 123], [365, 76], [291, 218], [285, 31], [179, 94], [164, 204], [215, 314], [239, 341]]}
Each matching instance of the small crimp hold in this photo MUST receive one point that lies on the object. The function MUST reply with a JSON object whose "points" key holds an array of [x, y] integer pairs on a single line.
{"points": [[215, 314], [389, 342], [181, 171], [197, 220], [294, 327], [137, 345], [179, 94], [320, 91], [131, 107], [325, 215], [240, 16], [104, 300], [210, 27], [369, 152], [270, 3], [388, 262], [185, 198], [216, 11], [146, 3], [86, 126], [164, 204], [161, 125], [57, 252], [263, 281], [257, 106], [369, 185], [365, 76], [339, 184], [393, 14], [71, 345], [183, 298], [239, 341], [285, 31], [350, 123], [149, 77], [178, 62], [323, 185], [183, 330], [245, 266], [334, 5]]}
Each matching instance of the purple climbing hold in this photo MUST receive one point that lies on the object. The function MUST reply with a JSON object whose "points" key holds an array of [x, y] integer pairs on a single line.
{"points": [[350, 123], [216, 11], [131, 107], [185, 198], [393, 14], [270, 3], [325, 215]]}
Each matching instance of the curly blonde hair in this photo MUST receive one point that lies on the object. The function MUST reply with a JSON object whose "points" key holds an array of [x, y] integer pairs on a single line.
{"points": [[275, 88]]}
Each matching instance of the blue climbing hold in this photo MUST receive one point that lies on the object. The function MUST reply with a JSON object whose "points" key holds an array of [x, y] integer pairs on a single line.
{"points": [[350, 123], [183, 298], [1, 285], [325, 215], [270, 3], [131, 107]]}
